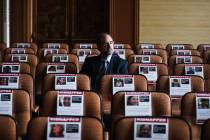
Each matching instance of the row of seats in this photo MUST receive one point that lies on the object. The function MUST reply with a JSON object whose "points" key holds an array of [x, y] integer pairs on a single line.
{"points": [[92, 128], [41, 78]]}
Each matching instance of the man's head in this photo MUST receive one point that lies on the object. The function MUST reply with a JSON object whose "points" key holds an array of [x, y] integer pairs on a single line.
{"points": [[105, 44]]}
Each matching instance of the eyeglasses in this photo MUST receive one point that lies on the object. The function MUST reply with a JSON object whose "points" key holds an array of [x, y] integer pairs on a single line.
{"points": [[107, 43]]}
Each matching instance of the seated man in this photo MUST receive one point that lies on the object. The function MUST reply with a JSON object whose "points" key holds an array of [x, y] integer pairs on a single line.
{"points": [[106, 63]]}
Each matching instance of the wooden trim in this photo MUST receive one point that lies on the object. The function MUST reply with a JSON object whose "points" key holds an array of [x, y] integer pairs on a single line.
{"points": [[137, 23], [111, 17]]}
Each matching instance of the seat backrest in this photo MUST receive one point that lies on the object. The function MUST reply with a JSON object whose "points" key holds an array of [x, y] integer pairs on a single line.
{"points": [[124, 128], [188, 106], [32, 60], [83, 53], [205, 130], [170, 47], [161, 105], [2, 48], [148, 46], [32, 45], [185, 52], [122, 46], [162, 69], [140, 84], [141, 59], [203, 47], [62, 45], [85, 46], [91, 107], [197, 85], [19, 51], [7, 128], [21, 110], [92, 129], [83, 81], [71, 58], [13, 68], [161, 52]]}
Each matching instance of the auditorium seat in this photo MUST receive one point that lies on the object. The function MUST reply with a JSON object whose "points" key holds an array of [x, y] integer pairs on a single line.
{"points": [[9, 67], [92, 129], [32, 60], [54, 45], [205, 135], [161, 105], [188, 111], [25, 45], [186, 52], [82, 82], [149, 46], [85, 46], [178, 128], [170, 47], [163, 84], [91, 106], [106, 87], [162, 69], [8, 130], [144, 59]]}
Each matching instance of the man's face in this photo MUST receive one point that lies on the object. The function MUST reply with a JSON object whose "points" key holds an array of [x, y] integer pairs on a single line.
{"points": [[107, 45]]}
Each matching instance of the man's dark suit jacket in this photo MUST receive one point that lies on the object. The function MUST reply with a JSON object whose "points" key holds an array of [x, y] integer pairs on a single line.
{"points": [[92, 65]]}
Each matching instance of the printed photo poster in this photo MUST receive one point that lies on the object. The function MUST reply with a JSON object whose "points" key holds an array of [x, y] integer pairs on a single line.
{"points": [[141, 59], [120, 53], [19, 58], [55, 68], [64, 128], [18, 51], [10, 68], [179, 85], [86, 46], [183, 59], [53, 45], [150, 52], [138, 104], [60, 58], [119, 46], [202, 108], [183, 52], [151, 129], [177, 47], [50, 51], [9, 81], [147, 46], [66, 82], [194, 69], [23, 45], [149, 71], [82, 54], [6, 98], [70, 103], [122, 83]]}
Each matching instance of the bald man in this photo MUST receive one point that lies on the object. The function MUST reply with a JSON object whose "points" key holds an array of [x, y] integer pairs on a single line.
{"points": [[106, 63]]}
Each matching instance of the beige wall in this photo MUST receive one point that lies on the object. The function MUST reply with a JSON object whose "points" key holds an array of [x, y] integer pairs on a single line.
{"points": [[175, 21]]}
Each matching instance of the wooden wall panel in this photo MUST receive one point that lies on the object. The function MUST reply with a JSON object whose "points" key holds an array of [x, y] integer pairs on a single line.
{"points": [[177, 21], [89, 19], [122, 20], [16, 21], [1, 20]]}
